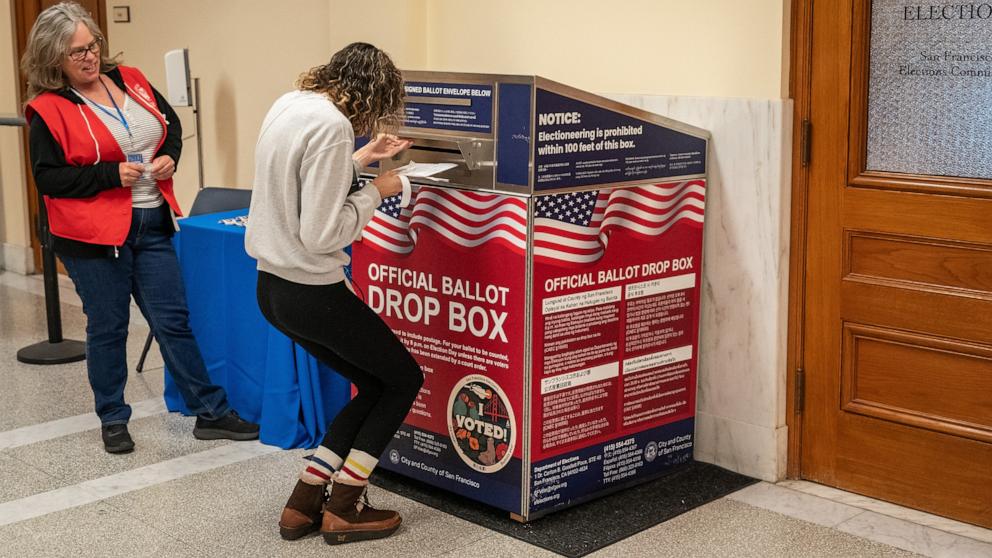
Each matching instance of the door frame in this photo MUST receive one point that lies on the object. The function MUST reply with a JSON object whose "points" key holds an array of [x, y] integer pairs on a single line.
{"points": [[800, 75], [25, 12], [800, 90]]}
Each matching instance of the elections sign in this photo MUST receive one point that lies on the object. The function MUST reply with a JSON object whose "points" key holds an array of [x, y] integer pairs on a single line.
{"points": [[929, 87]]}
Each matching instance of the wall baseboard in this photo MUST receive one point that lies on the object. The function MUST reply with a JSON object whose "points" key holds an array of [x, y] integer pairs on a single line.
{"points": [[749, 449], [18, 259]]}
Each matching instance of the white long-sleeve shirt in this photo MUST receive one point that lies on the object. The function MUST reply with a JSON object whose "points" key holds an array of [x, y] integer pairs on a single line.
{"points": [[301, 215]]}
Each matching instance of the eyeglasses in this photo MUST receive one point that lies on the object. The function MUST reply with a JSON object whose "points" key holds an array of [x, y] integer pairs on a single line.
{"points": [[79, 54]]}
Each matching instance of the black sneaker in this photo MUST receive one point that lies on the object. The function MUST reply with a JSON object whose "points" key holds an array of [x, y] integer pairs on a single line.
{"points": [[116, 439], [227, 427]]}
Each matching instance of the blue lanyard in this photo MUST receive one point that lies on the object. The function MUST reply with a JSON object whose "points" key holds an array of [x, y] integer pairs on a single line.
{"points": [[120, 115]]}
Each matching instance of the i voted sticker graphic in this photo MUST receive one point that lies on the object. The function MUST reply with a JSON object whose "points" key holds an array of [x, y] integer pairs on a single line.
{"points": [[481, 423]]}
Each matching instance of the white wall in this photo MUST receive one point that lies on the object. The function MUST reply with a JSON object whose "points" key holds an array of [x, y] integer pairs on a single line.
{"points": [[396, 26], [247, 52], [715, 48]]}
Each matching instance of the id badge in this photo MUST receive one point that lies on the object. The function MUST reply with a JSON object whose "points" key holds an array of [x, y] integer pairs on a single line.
{"points": [[139, 158]]}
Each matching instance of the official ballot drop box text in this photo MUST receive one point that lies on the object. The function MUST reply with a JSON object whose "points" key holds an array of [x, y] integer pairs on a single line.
{"points": [[549, 286]]}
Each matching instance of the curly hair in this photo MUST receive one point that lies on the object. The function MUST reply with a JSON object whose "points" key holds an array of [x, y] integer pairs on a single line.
{"points": [[48, 45], [363, 83]]}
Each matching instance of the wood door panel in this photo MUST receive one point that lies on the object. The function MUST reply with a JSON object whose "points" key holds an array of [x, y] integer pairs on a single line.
{"points": [[922, 261], [951, 217], [918, 380], [931, 471], [916, 309], [946, 185]]}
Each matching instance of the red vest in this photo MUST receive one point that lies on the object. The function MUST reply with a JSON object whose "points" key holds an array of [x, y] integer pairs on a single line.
{"points": [[106, 217]]}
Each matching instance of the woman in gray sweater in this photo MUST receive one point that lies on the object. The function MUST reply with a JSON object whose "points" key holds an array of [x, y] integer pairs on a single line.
{"points": [[307, 207]]}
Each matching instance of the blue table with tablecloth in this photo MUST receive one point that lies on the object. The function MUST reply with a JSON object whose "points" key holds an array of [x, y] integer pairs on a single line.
{"points": [[268, 378]]}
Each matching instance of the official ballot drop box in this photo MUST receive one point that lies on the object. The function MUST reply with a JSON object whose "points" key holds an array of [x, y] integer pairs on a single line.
{"points": [[548, 285]]}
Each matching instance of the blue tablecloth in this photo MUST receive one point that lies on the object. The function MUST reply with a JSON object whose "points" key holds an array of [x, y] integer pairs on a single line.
{"points": [[268, 378]]}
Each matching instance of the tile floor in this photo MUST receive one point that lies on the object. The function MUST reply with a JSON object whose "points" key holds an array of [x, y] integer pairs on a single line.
{"points": [[61, 495]]}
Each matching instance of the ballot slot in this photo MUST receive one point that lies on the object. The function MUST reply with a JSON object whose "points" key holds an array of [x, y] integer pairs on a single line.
{"points": [[451, 120], [472, 157], [438, 101]]}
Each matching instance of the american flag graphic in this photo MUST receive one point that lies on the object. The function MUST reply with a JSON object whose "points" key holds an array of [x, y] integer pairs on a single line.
{"points": [[464, 218], [571, 228], [576, 228]]}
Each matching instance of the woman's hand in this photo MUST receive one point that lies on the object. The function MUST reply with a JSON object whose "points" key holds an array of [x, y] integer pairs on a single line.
{"points": [[388, 184], [163, 167], [382, 147], [130, 173]]}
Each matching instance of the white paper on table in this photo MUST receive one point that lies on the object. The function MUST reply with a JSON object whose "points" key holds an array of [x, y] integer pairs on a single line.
{"points": [[407, 192], [424, 170]]}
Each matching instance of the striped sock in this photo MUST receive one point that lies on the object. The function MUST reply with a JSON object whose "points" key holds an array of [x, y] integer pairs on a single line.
{"points": [[321, 467], [357, 467]]}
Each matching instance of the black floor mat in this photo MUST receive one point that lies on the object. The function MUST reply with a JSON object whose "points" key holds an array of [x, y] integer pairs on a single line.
{"points": [[585, 528]]}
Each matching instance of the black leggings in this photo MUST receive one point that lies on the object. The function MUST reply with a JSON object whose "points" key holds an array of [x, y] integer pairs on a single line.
{"points": [[337, 328]]}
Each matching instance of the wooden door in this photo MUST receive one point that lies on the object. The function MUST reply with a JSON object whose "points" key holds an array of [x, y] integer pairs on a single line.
{"points": [[895, 272], [25, 12]]}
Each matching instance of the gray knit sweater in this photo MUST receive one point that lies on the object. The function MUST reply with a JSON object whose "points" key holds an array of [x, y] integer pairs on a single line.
{"points": [[301, 215]]}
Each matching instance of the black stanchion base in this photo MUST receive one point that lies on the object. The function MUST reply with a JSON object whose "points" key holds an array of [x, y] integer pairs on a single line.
{"points": [[53, 353]]}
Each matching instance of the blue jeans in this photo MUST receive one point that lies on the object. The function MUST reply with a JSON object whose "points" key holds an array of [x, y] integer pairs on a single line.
{"points": [[147, 268]]}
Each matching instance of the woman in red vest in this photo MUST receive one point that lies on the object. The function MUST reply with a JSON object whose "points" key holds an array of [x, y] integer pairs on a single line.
{"points": [[104, 146]]}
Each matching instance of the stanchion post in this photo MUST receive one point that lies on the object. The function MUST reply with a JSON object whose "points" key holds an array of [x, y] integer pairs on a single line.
{"points": [[55, 350], [199, 129]]}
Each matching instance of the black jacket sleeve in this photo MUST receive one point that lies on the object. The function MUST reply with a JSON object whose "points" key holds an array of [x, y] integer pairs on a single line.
{"points": [[173, 145], [58, 179]]}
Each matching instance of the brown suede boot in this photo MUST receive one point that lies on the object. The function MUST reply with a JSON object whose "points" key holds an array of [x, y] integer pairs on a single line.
{"points": [[303, 511], [348, 517]]}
